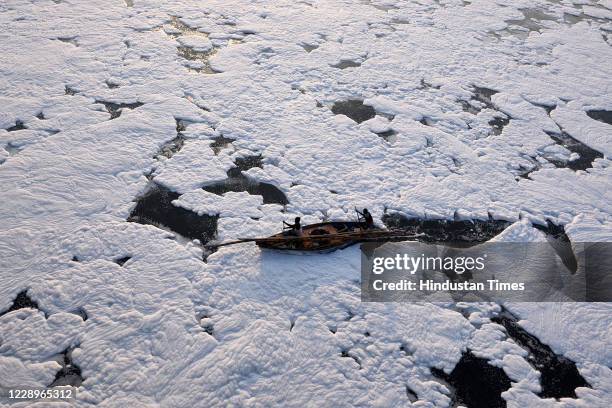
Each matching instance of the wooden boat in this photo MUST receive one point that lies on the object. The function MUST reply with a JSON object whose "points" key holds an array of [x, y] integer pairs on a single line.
{"points": [[324, 237], [319, 237]]}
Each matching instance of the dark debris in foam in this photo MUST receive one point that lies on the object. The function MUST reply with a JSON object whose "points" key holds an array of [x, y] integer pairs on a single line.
{"points": [[426, 121], [171, 147], [111, 85], [387, 135], [559, 375], [19, 125], [70, 91], [249, 162], [155, 207], [547, 108], [440, 230], [354, 109], [498, 124], [184, 29], [475, 383], [115, 108], [525, 172], [22, 301], [70, 373], [69, 40], [344, 64], [309, 47], [238, 182], [199, 56], [121, 261], [219, 143], [412, 396], [348, 354], [468, 107], [587, 155], [181, 125], [482, 95], [209, 329], [381, 7], [426, 85], [82, 313], [532, 19], [575, 19]]}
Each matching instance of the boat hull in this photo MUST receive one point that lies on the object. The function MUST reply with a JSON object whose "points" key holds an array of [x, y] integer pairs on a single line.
{"points": [[322, 237]]}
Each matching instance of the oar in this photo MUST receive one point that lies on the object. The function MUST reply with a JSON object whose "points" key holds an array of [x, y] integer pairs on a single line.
{"points": [[238, 241], [322, 236], [362, 235]]}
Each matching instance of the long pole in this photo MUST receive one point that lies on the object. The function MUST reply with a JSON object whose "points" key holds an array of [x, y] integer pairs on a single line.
{"points": [[360, 235]]}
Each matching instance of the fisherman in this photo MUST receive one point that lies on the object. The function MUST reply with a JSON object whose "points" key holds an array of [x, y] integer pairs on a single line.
{"points": [[367, 219], [293, 229]]}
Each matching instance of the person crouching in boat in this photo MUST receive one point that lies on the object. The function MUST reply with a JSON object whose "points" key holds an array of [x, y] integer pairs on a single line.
{"points": [[366, 219], [294, 229]]}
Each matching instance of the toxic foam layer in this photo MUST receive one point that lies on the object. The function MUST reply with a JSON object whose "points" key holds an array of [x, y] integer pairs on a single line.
{"points": [[465, 95]]}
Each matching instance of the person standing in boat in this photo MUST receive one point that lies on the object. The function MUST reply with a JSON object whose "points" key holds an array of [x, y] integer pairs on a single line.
{"points": [[367, 219], [293, 229]]}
